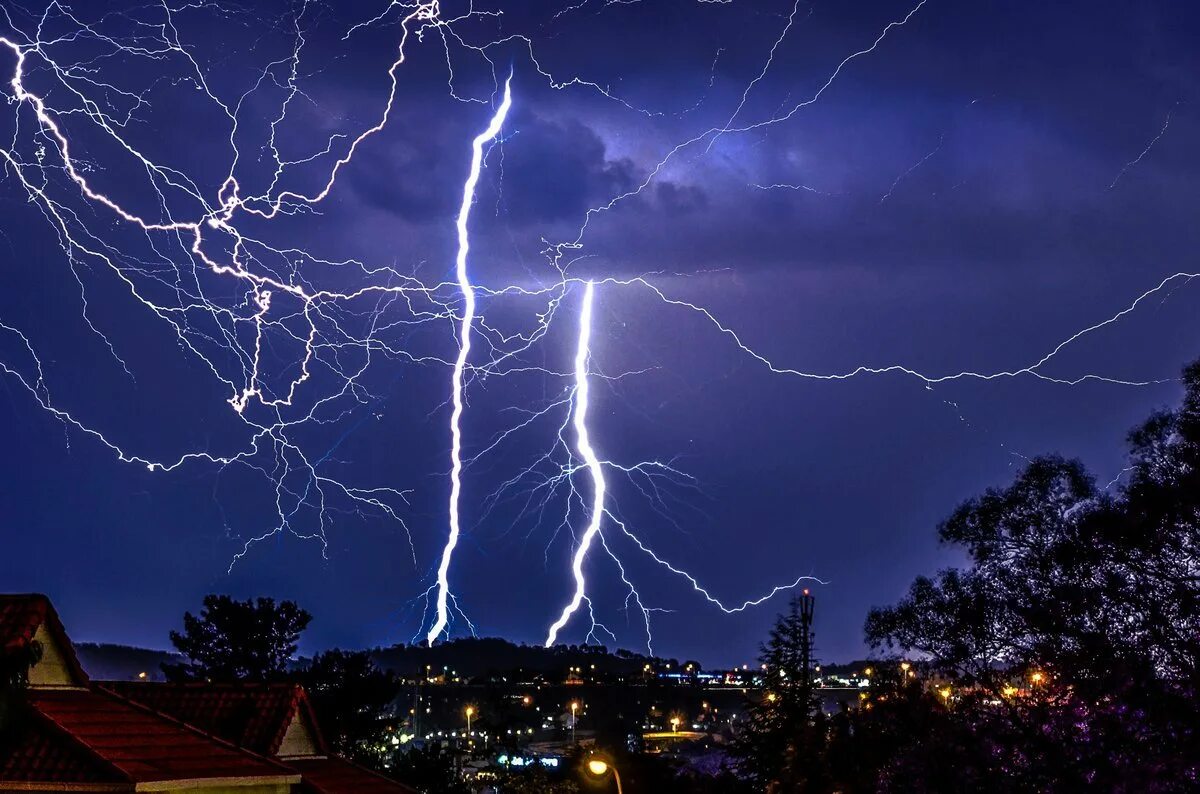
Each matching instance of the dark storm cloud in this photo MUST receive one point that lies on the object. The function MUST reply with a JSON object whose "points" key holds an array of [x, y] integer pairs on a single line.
{"points": [[546, 170], [554, 170], [960, 215]]}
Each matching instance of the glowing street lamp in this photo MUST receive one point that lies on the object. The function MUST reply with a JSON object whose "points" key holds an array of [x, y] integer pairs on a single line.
{"points": [[598, 768], [1037, 677], [470, 714], [574, 708]]}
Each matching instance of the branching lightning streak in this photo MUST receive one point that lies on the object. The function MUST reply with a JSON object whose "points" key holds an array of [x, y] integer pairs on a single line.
{"points": [[1146, 151], [583, 445], [464, 351], [335, 334]]}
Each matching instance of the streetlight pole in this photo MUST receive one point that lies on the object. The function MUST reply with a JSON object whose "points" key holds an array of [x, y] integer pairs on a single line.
{"points": [[470, 712], [600, 768], [574, 719]]}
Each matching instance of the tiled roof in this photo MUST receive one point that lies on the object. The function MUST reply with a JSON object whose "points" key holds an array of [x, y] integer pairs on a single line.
{"points": [[141, 745], [42, 752], [335, 775], [256, 716], [253, 716], [20, 617]]}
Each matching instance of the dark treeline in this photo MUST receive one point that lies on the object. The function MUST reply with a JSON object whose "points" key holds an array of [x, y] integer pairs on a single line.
{"points": [[489, 656], [1063, 658]]}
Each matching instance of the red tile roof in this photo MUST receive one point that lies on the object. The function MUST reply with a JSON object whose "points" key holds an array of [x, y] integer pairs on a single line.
{"points": [[253, 716], [256, 716], [141, 745], [42, 752], [335, 775], [20, 617], [111, 737]]}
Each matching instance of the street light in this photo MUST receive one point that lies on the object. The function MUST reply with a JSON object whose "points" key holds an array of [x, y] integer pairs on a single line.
{"points": [[599, 768], [470, 713], [574, 708]]}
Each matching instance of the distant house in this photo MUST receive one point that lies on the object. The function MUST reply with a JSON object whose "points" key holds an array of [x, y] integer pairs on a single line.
{"points": [[79, 735]]}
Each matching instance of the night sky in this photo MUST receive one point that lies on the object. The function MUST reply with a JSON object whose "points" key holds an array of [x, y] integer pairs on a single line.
{"points": [[991, 179]]}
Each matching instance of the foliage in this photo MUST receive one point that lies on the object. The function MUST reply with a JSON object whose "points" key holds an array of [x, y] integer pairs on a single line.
{"points": [[1072, 640], [15, 662], [429, 770], [782, 742], [1064, 656], [251, 640], [536, 779], [352, 698]]}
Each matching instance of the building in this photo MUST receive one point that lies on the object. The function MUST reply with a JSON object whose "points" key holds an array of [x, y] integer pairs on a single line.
{"points": [[82, 736]]}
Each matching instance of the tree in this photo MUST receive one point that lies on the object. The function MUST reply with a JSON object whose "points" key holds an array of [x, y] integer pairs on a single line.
{"points": [[781, 746], [15, 661], [352, 698], [536, 779], [431, 769], [251, 640], [1073, 637]]}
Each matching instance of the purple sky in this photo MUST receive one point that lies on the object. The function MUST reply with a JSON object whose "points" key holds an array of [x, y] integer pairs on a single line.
{"points": [[988, 181]]}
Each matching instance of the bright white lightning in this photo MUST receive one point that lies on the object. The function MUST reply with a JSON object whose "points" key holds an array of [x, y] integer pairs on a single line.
{"points": [[464, 350], [583, 445], [277, 297]]}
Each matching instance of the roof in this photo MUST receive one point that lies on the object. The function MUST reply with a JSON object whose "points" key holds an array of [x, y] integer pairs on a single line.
{"points": [[126, 742], [119, 736], [253, 716], [256, 716], [21, 615], [42, 752], [333, 775]]}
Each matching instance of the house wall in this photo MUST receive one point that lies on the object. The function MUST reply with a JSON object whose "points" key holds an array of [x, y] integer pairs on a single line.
{"points": [[297, 740], [52, 669]]}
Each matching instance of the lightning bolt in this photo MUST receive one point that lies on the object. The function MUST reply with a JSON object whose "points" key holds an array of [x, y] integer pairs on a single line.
{"points": [[217, 287], [583, 444], [464, 351]]}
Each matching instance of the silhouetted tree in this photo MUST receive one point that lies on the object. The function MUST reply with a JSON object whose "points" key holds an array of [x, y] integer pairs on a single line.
{"points": [[1072, 639], [536, 779], [251, 640], [352, 698], [15, 661], [430, 770], [781, 746]]}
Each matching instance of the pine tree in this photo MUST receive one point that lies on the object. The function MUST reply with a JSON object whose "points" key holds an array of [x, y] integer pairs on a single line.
{"points": [[782, 743]]}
